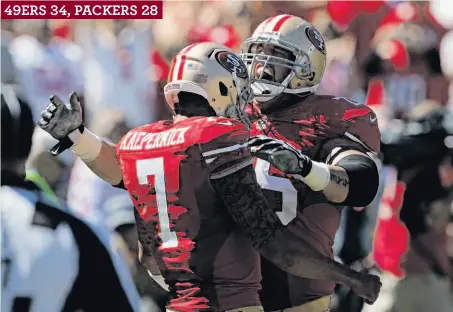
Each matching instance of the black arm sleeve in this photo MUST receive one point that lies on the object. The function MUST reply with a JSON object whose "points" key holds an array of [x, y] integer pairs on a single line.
{"points": [[363, 179], [249, 209], [247, 205]]}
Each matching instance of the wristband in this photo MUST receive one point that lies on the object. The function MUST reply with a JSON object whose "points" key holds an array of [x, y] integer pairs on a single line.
{"points": [[87, 145], [318, 178]]}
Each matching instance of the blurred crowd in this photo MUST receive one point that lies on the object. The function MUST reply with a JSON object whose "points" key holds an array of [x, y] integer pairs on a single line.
{"points": [[395, 56]]}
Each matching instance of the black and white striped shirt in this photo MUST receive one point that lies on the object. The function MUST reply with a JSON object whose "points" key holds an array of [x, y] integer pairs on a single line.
{"points": [[52, 261]]}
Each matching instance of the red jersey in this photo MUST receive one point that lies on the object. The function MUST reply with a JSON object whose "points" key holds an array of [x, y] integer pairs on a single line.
{"points": [[167, 168], [319, 126]]}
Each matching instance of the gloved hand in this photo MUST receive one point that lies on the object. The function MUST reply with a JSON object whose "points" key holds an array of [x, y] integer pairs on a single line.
{"points": [[61, 120], [280, 154]]}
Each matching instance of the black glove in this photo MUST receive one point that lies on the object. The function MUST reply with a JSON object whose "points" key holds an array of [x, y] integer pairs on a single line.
{"points": [[280, 154], [60, 119]]}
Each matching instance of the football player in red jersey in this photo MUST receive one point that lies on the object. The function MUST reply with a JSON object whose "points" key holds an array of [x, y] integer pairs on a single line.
{"points": [[192, 182], [330, 165]]}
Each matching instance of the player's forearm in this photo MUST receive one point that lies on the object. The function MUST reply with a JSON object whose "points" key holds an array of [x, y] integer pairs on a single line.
{"points": [[145, 278], [148, 286], [354, 179], [249, 209], [299, 258], [247, 205], [350, 179], [337, 189], [106, 165], [99, 156]]}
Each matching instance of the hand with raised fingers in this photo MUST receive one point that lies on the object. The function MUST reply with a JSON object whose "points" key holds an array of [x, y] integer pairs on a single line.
{"points": [[60, 119]]}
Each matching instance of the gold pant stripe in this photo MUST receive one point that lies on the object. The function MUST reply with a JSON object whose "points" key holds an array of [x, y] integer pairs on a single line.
{"points": [[248, 309], [318, 305], [244, 309]]}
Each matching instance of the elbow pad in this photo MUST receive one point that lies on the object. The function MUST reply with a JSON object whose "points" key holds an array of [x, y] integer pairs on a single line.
{"points": [[363, 179]]}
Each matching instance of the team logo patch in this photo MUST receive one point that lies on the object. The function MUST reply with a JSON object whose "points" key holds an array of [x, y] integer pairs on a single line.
{"points": [[316, 39], [232, 63]]}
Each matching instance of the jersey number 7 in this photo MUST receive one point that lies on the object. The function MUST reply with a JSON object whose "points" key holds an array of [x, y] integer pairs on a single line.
{"points": [[155, 167]]}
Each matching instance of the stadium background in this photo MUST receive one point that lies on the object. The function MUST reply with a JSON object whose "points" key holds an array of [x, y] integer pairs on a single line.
{"points": [[119, 68]]}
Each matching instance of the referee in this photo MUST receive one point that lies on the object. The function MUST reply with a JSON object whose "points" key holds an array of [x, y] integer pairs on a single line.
{"points": [[51, 260]]}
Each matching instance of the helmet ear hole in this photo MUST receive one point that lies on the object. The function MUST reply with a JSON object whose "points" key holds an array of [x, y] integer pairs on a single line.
{"points": [[223, 89]]}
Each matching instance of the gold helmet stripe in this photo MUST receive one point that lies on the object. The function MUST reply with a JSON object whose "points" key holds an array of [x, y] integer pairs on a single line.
{"points": [[281, 20], [172, 68], [182, 62], [179, 61]]}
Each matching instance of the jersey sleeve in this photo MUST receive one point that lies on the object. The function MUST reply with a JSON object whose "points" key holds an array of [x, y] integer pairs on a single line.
{"points": [[363, 129], [223, 146], [355, 127]]}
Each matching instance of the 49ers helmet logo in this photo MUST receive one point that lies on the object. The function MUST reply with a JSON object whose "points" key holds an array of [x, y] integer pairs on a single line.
{"points": [[232, 63], [316, 39]]}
